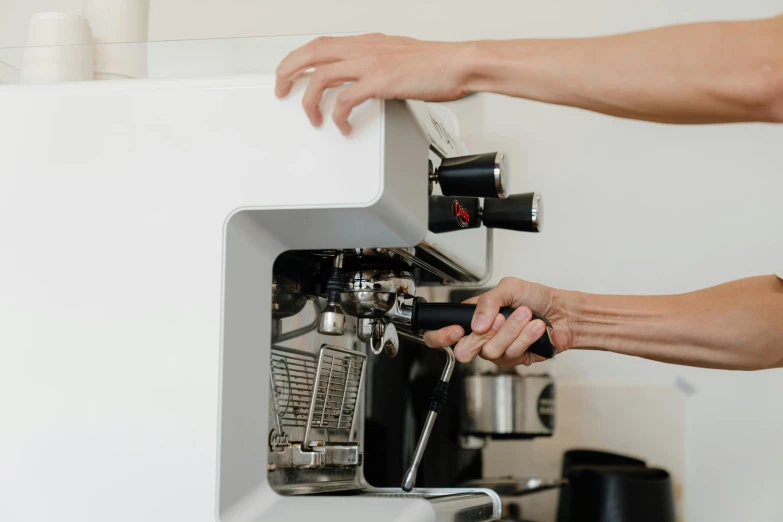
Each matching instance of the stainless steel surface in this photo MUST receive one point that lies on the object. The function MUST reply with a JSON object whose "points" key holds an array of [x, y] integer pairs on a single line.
{"points": [[450, 504], [384, 339], [506, 405], [336, 391], [292, 373], [428, 267], [516, 486], [500, 174], [445, 376], [331, 321], [409, 480], [340, 455], [400, 313], [364, 329], [330, 463], [278, 336], [536, 212], [372, 293], [411, 337]]}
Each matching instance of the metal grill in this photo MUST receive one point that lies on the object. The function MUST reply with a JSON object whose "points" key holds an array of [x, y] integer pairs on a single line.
{"points": [[292, 374], [318, 393]]}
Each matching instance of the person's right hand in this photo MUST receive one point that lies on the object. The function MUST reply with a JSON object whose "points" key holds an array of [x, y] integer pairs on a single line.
{"points": [[377, 66], [505, 341]]}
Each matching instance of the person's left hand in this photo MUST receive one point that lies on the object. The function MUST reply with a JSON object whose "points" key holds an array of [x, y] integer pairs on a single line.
{"points": [[380, 66]]}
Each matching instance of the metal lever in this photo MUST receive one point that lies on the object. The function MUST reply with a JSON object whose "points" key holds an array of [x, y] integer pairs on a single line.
{"points": [[439, 395]]}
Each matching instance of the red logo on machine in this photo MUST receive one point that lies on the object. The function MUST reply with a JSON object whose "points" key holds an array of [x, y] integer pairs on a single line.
{"points": [[463, 218]]}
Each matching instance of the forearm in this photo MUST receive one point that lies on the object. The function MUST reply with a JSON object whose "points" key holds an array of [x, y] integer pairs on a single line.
{"points": [[697, 73], [738, 325]]}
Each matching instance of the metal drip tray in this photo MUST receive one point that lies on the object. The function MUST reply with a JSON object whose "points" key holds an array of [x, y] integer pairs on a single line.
{"points": [[450, 504]]}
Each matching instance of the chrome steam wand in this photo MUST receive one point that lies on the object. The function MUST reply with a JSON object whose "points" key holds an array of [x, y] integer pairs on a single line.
{"points": [[438, 399]]}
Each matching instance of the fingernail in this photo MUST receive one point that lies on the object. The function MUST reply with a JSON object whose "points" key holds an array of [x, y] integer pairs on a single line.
{"points": [[521, 314], [455, 335], [497, 323], [481, 322], [538, 327]]}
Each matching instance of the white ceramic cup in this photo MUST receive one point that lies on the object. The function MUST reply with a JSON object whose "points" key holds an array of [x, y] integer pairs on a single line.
{"points": [[58, 49], [119, 29]]}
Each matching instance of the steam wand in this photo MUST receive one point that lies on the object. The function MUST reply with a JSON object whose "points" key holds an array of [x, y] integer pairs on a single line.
{"points": [[438, 399]]}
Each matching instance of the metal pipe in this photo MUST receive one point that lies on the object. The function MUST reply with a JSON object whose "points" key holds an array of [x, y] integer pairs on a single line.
{"points": [[438, 398]]}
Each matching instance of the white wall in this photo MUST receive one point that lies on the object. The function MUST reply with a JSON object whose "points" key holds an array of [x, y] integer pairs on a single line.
{"points": [[630, 207]]}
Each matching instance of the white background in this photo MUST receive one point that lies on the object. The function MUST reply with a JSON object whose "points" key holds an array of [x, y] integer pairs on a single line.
{"points": [[630, 208]]}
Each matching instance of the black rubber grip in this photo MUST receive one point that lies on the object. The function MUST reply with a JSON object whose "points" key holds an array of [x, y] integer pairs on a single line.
{"points": [[439, 396], [471, 176], [433, 316], [447, 214], [516, 212]]}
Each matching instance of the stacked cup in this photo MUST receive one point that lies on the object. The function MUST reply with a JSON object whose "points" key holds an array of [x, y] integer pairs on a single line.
{"points": [[119, 29], [58, 49]]}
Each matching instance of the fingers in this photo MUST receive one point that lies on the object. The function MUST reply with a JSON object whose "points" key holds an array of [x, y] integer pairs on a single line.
{"points": [[469, 347], [350, 97], [317, 52], [508, 334], [488, 305], [444, 337], [324, 78], [516, 352]]}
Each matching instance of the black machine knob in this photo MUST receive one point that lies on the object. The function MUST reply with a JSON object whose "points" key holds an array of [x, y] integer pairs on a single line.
{"points": [[478, 175], [520, 212], [433, 316], [449, 214]]}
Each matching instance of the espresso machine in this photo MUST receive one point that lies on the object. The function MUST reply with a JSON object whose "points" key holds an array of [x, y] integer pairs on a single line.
{"points": [[213, 310], [354, 310]]}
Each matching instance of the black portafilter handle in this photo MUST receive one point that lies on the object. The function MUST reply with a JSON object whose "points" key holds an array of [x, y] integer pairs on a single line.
{"points": [[434, 316], [520, 212], [477, 175]]}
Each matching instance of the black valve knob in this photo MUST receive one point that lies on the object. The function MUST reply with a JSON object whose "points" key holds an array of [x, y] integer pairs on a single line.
{"points": [[449, 214], [521, 212], [478, 175]]}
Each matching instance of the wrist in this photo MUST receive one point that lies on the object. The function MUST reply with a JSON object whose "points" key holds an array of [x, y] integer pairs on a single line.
{"points": [[484, 64], [565, 309]]}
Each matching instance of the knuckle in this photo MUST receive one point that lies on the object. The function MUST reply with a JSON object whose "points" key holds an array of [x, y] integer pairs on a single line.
{"points": [[509, 282], [344, 98], [319, 42], [319, 78], [485, 300], [492, 351]]}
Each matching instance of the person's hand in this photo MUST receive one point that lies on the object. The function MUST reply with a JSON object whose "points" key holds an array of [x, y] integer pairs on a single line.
{"points": [[505, 341], [380, 66]]}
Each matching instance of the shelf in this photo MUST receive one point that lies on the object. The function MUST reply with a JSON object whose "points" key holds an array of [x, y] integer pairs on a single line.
{"points": [[157, 60]]}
